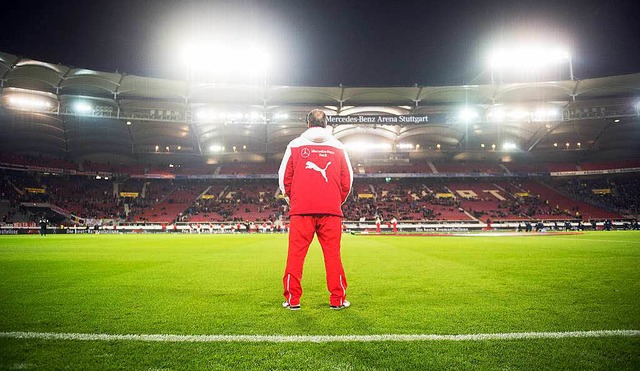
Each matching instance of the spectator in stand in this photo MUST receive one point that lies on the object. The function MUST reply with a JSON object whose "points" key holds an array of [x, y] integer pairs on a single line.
{"points": [[315, 177]]}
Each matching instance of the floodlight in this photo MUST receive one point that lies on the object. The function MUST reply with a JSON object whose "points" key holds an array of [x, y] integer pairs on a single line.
{"points": [[496, 115], [216, 148], [518, 114], [224, 60], [382, 146], [509, 147], [128, 122], [249, 59], [529, 57], [205, 115], [367, 146], [404, 146], [546, 114], [261, 58], [28, 102], [83, 107], [199, 55], [467, 114]]}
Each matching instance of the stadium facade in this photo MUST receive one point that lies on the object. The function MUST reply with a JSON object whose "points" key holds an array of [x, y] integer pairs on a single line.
{"points": [[77, 114], [83, 122]]}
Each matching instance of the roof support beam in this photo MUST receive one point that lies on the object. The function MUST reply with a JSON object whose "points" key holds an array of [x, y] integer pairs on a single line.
{"points": [[540, 134], [604, 129], [194, 128]]}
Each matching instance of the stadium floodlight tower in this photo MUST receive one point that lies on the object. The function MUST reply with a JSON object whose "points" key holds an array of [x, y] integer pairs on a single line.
{"points": [[222, 62], [528, 58]]}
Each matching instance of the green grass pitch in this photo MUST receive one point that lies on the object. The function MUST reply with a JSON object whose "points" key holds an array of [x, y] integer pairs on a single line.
{"points": [[231, 284]]}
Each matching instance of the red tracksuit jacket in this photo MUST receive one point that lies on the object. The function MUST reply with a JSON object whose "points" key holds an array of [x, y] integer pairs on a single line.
{"points": [[315, 174]]}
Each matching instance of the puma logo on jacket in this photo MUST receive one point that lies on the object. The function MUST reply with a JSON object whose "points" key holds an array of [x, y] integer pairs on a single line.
{"points": [[317, 150]]}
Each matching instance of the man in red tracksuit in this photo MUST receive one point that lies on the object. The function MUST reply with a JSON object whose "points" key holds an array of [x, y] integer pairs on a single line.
{"points": [[315, 178]]}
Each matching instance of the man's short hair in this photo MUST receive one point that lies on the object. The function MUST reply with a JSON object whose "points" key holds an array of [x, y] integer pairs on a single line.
{"points": [[317, 118]]}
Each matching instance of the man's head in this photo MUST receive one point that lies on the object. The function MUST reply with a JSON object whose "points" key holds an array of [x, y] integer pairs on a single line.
{"points": [[317, 118]]}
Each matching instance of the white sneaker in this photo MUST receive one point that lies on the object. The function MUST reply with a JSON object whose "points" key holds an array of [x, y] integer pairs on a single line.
{"points": [[345, 304], [290, 307]]}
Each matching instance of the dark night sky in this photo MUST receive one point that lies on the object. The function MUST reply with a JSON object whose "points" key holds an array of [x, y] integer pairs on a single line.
{"points": [[324, 43]]}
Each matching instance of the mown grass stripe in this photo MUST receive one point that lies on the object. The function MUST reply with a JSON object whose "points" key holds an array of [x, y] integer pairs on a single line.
{"points": [[316, 338]]}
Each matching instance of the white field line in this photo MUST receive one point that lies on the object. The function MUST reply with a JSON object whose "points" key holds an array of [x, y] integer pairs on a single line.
{"points": [[316, 338]]}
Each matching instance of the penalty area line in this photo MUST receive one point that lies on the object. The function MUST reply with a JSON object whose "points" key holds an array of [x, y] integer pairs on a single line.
{"points": [[316, 338]]}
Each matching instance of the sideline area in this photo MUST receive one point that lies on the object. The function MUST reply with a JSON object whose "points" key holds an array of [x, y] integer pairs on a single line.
{"points": [[474, 234], [318, 338]]}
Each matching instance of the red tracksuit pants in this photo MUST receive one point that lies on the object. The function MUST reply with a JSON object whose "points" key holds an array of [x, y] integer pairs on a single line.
{"points": [[328, 228]]}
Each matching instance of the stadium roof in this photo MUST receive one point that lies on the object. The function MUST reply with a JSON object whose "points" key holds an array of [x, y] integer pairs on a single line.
{"points": [[77, 113]]}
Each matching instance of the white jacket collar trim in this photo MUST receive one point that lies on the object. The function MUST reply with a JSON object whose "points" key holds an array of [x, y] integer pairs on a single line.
{"points": [[317, 135]]}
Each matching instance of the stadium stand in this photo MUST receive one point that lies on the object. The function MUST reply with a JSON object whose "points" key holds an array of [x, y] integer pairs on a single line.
{"points": [[553, 167], [620, 164], [468, 168], [445, 198], [486, 201], [209, 206], [165, 201], [559, 206], [83, 197], [248, 168], [610, 193], [40, 160], [527, 167]]}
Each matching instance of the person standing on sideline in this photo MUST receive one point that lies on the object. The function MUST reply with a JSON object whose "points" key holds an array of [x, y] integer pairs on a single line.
{"points": [[315, 178], [43, 225]]}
